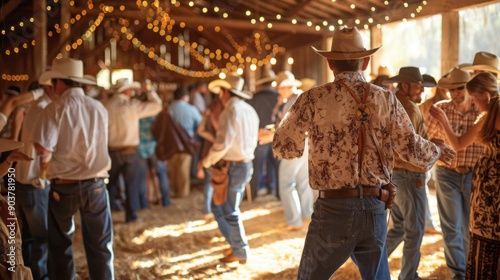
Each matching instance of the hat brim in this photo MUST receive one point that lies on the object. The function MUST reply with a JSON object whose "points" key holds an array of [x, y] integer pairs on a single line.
{"points": [[265, 81], [427, 82], [344, 55], [290, 83], [52, 74], [241, 94], [9, 145], [216, 85], [448, 85], [488, 68], [133, 85]]}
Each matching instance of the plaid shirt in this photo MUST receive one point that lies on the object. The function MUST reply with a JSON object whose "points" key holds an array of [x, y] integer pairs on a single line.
{"points": [[460, 123]]}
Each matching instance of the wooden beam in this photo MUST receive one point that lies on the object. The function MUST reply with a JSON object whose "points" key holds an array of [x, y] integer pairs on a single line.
{"points": [[449, 41], [7, 8], [297, 9], [40, 49]]}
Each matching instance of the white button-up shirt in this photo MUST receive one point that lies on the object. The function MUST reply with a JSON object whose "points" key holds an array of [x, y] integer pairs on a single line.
{"points": [[75, 129], [124, 115]]}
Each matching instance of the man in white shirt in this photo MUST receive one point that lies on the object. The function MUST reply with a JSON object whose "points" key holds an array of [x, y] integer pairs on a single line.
{"points": [[124, 114], [235, 143], [73, 129]]}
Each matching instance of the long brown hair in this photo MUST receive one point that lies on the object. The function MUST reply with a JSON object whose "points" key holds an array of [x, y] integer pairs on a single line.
{"points": [[487, 82]]}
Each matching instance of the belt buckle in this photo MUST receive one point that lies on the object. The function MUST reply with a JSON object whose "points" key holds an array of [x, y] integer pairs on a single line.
{"points": [[462, 169]]}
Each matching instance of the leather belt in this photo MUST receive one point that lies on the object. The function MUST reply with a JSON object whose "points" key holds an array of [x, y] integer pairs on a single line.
{"points": [[72, 182], [350, 192], [127, 150], [462, 169]]}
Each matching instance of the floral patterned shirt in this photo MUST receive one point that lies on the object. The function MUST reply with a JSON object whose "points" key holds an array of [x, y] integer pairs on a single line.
{"points": [[328, 114]]}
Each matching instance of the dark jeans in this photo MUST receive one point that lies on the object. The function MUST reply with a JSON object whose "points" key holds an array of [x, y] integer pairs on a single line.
{"points": [[90, 198], [32, 206], [265, 167], [128, 165]]}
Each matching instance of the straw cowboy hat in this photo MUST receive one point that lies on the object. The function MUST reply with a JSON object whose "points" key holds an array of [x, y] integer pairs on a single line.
{"points": [[122, 85], [68, 69], [346, 44], [9, 145], [287, 79], [307, 84], [412, 74], [233, 83], [267, 76], [484, 61], [455, 79]]}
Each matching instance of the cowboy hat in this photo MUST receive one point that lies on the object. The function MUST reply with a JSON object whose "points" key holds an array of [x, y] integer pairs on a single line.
{"points": [[346, 44], [14, 90], [233, 83], [287, 79], [455, 79], [307, 83], [484, 61], [122, 85], [412, 74], [68, 69], [9, 145], [267, 76]]}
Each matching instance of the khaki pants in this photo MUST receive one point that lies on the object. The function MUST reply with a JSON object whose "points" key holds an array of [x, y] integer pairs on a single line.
{"points": [[179, 167]]}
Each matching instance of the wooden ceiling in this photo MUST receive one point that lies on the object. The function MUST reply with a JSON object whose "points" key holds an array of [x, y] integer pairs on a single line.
{"points": [[192, 38]]}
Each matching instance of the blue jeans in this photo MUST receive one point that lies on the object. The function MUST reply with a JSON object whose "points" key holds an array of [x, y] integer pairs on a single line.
{"points": [[228, 215], [90, 198], [128, 165], [453, 198], [264, 164], [31, 206], [343, 228], [208, 192], [297, 198], [408, 216], [161, 173]]}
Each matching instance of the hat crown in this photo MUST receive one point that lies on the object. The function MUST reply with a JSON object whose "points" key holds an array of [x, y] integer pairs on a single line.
{"points": [[455, 78], [411, 74], [347, 39], [235, 82], [485, 58], [284, 76], [72, 68], [385, 70]]}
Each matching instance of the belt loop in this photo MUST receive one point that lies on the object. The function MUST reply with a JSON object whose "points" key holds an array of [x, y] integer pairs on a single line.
{"points": [[360, 187]]}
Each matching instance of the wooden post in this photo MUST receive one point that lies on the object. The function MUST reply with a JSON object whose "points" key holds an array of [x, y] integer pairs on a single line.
{"points": [[65, 33], [40, 49], [450, 41]]}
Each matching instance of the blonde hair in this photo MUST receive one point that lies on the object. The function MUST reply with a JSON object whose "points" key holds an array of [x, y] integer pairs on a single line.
{"points": [[487, 82]]}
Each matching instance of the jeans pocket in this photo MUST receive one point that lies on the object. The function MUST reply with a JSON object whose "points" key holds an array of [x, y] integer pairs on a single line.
{"points": [[97, 199], [379, 226], [335, 226]]}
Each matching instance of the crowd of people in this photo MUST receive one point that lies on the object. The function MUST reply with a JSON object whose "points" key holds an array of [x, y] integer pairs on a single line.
{"points": [[326, 152]]}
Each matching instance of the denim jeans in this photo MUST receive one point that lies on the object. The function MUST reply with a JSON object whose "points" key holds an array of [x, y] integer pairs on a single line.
{"points": [[408, 216], [91, 199], [228, 215], [296, 196], [127, 165], [343, 228], [208, 192], [161, 173], [31, 206], [264, 164], [453, 198]]}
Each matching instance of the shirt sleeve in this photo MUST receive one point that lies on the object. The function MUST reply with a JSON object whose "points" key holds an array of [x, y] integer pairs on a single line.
{"points": [[144, 109], [46, 130], [289, 138], [223, 139]]}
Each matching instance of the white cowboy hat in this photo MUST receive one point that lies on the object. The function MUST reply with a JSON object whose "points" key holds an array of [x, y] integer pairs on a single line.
{"points": [[412, 74], [66, 68], [456, 78], [9, 145], [484, 61], [233, 83], [346, 44], [287, 79], [307, 83], [122, 85]]}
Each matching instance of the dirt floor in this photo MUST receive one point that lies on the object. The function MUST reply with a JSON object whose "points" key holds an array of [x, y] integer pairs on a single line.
{"points": [[176, 243]]}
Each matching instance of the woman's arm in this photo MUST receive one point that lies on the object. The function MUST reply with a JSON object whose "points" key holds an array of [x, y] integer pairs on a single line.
{"points": [[457, 142]]}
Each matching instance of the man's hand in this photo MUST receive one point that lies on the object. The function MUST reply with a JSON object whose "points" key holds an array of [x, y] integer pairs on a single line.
{"points": [[447, 153], [265, 136]]}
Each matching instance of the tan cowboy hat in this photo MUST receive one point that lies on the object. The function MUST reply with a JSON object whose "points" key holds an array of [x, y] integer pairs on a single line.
{"points": [[267, 76], [307, 84], [346, 44], [455, 79], [484, 61], [287, 79], [233, 83], [122, 85], [66, 68], [9, 145], [412, 74]]}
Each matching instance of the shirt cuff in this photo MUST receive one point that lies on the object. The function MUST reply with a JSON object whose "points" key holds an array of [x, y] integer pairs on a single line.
{"points": [[37, 93]]}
